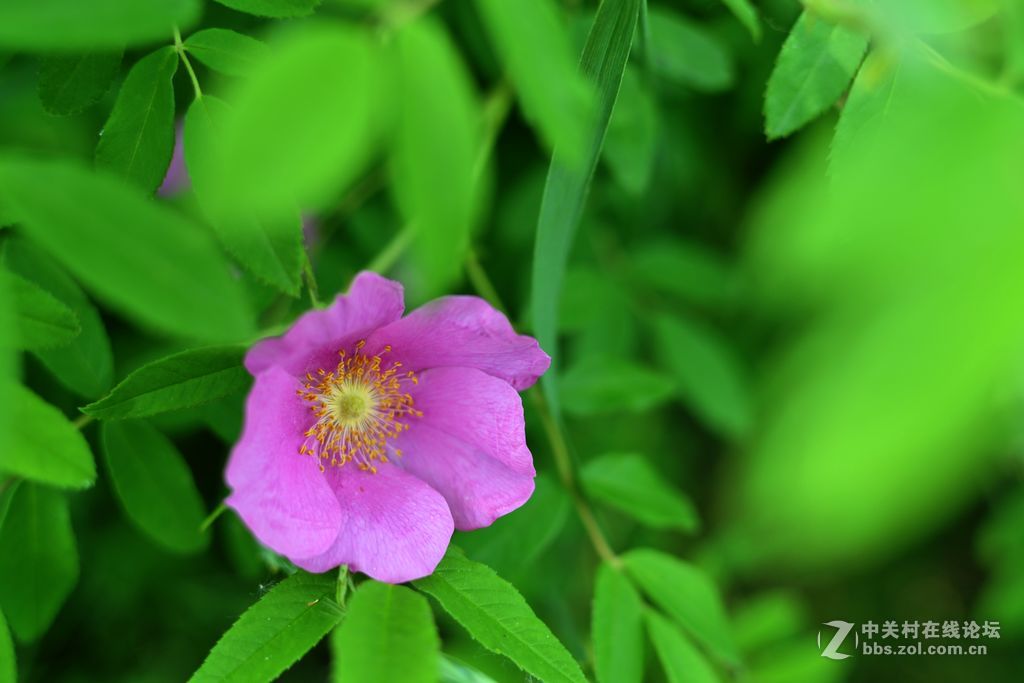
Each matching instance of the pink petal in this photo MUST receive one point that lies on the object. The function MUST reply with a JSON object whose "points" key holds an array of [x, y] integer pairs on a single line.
{"points": [[316, 337], [481, 410], [280, 495], [394, 527], [463, 331]]}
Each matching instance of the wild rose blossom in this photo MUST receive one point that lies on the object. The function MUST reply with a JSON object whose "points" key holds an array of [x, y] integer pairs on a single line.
{"points": [[369, 437]]}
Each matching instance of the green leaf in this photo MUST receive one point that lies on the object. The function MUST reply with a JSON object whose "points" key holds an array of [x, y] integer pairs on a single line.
{"points": [[388, 635], [565, 192], [44, 446], [627, 482], [497, 616], [76, 26], [682, 662], [710, 379], [8, 664], [182, 380], [687, 595], [687, 54], [43, 321], [879, 83], [270, 248], [598, 384], [513, 543], [685, 270], [814, 68], [154, 485], [86, 365], [38, 560], [138, 139], [455, 671], [311, 107], [274, 633], [617, 628], [534, 45], [631, 144], [747, 14], [277, 9], [226, 51], [436, 148], [145, 260], [71, 84]]}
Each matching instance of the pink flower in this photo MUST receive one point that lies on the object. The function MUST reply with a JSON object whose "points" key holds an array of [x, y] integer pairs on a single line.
{"points": [[368, 437]]}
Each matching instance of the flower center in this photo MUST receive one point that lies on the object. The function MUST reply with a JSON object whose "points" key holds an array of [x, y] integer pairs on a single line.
{"points": [[359, 406]]}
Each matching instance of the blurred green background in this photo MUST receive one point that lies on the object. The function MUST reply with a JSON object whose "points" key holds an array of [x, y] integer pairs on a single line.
{"points": [[788, 340]]}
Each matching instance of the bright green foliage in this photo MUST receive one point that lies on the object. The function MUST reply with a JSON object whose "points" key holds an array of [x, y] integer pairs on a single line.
{"points": [[388, 635], [617, 627], [68, 85], [38, 560], [138, 138], [627, 481], [75, 26], [686, 595], [599, 385], [44, 446], [154, 485], [285, 624], [682, 662], [43, 321], [85, 365], [685, 53], [498, 617], [709, 378], [270, 247], [273, 8], [229, 52], [8, 665], [815, 66], [186, 379], [436, 152], [145, 260], [534, 44]]}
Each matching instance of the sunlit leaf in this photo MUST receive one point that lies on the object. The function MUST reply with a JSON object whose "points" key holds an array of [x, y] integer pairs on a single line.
{"points": [[617, 628], [68, 85], [626, 481], [226, 51]]}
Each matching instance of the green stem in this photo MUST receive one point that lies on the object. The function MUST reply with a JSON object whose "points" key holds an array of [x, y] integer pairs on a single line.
{"points": [[310, 277], [179, 47], [218, 511], [387, 256], [481, 283], [341, 588], [82, 420]]}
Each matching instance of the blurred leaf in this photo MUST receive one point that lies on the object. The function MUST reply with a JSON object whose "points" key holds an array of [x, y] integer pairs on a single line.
{"points": [[765, 620], [565, 192], [934, 16], [138, 138], [179, 381], [454, 671], [535, 48], [685, 270], [867, 107], [814, 68], [687, 595], [8, 665], [617, 628], [86, 365], [388, 635], [512, 544], [275, 632], [436, 149], [270, 248], [627, 482], [687, 54], [43, 321], [596, 385], [787, 662], [38, 560], [226, 51], [76, 26], [496, 615], [683, 663], [747, 14], [44, 446], [144, 259], [632, 139], [710, 379], [9, 361], [71, 84], [311, 107], [278, 9], [154, 485]]}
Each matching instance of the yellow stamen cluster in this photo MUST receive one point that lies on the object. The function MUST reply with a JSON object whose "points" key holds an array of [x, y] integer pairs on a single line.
{"points": [[359, 406]]}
